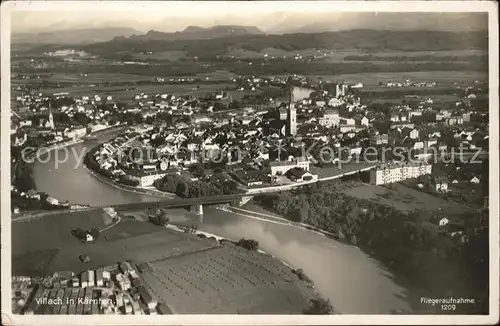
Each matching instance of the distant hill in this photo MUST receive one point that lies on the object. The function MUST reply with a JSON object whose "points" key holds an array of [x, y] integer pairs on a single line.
{"points": [[200, 33], [354, 39], [393, 21], [75, 36]]}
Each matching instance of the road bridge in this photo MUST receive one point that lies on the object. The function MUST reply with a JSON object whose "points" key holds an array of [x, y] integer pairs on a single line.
{"points": [[196, 204]]}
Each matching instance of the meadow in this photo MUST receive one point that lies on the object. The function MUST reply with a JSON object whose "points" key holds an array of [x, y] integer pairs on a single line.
{"points": [[224, 280], [442, 78]]}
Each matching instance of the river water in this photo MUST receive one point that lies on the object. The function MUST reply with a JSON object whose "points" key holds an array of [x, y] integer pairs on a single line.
{"points": [[354, 282], [300, 93]]}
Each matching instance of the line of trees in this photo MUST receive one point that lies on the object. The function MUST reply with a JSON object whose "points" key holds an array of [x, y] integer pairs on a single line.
{"points": [[184, 187], [447, 58]]}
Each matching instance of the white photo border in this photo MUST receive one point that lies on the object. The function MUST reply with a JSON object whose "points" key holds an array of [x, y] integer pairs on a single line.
{"points": [[490, 7]]}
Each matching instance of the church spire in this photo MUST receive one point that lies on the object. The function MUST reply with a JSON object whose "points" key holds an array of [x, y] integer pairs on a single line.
{"points": [[51, 117]]}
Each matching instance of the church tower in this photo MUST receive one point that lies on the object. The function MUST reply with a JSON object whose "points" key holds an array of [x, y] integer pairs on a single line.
{"points": [[51, 117], [291, 123]]}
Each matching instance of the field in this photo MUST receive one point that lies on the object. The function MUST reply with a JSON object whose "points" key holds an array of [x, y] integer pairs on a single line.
{"points": [[403, 198], [437, 99], [442, 78], [219, 75], [52, 230], [128, 240], [162, 55], [88, 86], [224, 280], [123, 93], [90, 78], [339, 55]]}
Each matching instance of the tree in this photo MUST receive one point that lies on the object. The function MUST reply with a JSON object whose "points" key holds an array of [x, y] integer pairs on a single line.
{"points": [[79, 234], [197, 170], [182, 189], [163, 219], [138, 118], [319, 307], [248, 244], [234, 105], [159, 218], [94, 233], [81, 118]]}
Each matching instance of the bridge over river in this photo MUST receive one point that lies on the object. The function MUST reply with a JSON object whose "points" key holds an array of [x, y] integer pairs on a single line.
{"points": [[351, 279], [196, 204]]}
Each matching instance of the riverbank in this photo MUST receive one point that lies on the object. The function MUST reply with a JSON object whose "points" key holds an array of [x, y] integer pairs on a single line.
{"points": [[266, 216], [219, 238], [429, 256], [30, 203], [89, 159], [123, 187], [53, 147], [102, 132]]}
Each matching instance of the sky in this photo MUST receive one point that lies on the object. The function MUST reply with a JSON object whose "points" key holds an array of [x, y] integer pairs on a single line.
{"points": [[274, 17]]}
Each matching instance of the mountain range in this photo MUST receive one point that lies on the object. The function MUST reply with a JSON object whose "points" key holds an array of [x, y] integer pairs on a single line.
{"points": [[74, 36], [367, 40], [96, 35], [67, 31], [200, 33]]}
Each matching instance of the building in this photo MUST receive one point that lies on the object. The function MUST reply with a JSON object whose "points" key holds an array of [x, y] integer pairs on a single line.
{"points": [[145, 178], [380, 139], [99, 280], [340, 89], [147, 298], [441, 184], [409, 132], [282, 167], [397, 172], [348, 127], [330, 118], [451, 121], [300, 175], [335, 102], [283, 113], [91, 277], [291, 123], [51, 117], [250, 178], [80, 132], [84, 280], [276, 127]]}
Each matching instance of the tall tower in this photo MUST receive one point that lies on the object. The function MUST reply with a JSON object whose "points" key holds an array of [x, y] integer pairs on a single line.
{"points": [[51, 117], [291, 123]]}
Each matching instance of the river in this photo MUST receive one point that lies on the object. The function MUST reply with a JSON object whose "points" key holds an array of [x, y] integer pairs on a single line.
{"points": [[354, 282], [300, 93]]}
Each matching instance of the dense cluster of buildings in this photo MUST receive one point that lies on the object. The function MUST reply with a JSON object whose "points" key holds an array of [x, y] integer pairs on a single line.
{"points": [[116, 289], [258, 134], [269, 140]]}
